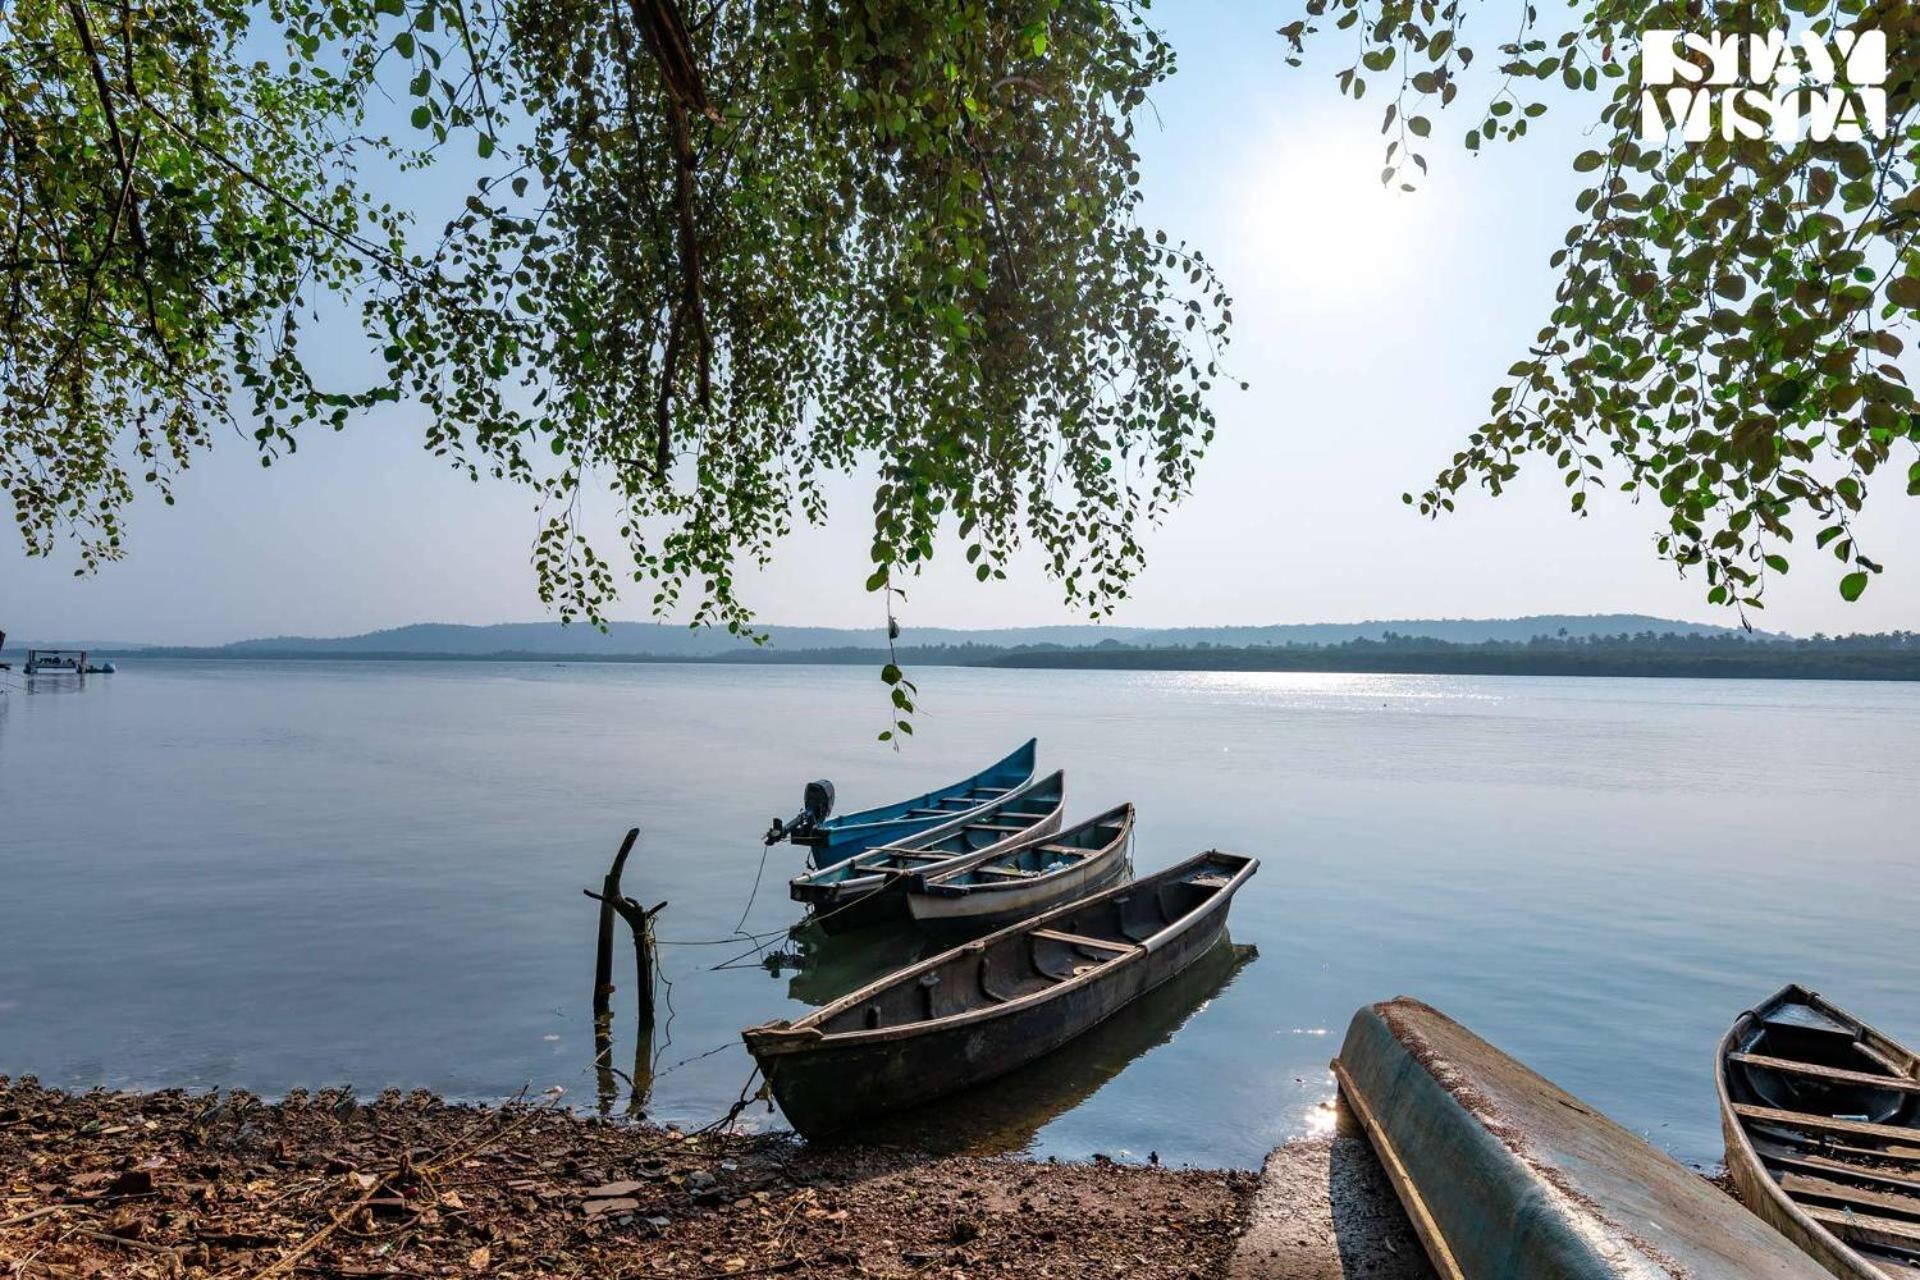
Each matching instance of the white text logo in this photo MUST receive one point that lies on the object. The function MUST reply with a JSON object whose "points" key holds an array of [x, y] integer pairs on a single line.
{"points": [[1763, 86]]}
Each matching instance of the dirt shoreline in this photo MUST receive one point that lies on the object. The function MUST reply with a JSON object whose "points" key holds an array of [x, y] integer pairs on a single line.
{"points": [[171, 1184]]}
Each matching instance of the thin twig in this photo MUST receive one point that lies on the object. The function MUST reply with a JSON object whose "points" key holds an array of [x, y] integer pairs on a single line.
{"points": [[34, 1213], [107, 1238]]}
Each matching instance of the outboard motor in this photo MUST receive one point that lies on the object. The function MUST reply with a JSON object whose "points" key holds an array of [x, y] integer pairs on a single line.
{"points": [[815, 805]]}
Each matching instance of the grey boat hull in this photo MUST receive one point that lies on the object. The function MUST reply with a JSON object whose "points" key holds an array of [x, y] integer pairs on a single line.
{"points": [[1505, 1176]]}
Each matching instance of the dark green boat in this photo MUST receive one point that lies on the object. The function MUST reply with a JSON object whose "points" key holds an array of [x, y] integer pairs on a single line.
{"points": [[978, 1011]]}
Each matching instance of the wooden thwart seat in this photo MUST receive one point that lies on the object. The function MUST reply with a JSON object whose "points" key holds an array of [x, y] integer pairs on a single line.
{"points": [[1836, 1075], [992, 826], [1831, 1167], [1082, 940], [1861, 1227], [1827, 1145], [1803, 1187], [1827, 1124]]}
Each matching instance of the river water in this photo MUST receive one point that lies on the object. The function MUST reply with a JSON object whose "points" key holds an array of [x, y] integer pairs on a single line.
{"points": [[278, 874]]}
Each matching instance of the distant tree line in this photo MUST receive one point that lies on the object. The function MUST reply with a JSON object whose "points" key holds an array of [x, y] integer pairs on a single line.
{"points": [[1892, 655]]}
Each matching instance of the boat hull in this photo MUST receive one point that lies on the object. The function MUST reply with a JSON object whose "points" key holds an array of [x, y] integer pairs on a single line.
{"points": [[1507, 1177], [863, 909], [836, 893], [975, 1012], [969, 914], [852, 833], [1825, 1169], [831, 1089]]}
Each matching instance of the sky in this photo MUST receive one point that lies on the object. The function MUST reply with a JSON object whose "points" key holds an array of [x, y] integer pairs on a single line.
{"points": [[1371, 325]]}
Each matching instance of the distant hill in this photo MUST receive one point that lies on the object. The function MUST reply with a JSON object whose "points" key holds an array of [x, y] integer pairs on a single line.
{"points": [[661, 640]]}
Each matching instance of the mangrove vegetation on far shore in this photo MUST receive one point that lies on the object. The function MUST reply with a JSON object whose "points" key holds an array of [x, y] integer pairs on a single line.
{"points": [[1893, 655], [1889, 656]]}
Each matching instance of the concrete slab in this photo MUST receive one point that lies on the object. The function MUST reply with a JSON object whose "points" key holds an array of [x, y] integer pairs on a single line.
{"points": [[1325, 1211]]}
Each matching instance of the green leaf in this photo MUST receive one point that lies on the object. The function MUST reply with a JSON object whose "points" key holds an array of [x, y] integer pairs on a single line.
{"points": [[1786, 393], [1852, 585], [1588, 161]]}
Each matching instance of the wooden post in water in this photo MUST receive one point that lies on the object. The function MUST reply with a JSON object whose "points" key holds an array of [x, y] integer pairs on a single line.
{"points": [[603, 956], [640, 920]]}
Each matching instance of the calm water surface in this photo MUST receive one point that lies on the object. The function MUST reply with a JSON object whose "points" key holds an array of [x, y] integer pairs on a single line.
{"points": [[268, 875]]}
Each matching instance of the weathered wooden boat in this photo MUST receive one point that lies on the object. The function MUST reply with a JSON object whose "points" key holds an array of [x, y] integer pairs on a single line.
{"points": [[981, 1009], [1506, 1176], [1822, 1120], [1035, 875], [830, 839], [1005, 1114], [871, 887]]}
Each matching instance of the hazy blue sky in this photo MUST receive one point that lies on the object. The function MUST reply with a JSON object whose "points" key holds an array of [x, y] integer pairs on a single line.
{"points": [[1372, 327]]}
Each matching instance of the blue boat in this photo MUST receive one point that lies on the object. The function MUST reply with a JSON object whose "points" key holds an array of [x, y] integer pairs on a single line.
{"points": [[870, 887], [831, 839]]}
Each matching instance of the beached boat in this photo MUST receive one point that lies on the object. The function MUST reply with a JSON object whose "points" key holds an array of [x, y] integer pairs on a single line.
{"points": [[830, 839], [1005, 1114], [1033, 876], [978, 1011], [1822, 1120], [1506, 1176], [871, 887]]}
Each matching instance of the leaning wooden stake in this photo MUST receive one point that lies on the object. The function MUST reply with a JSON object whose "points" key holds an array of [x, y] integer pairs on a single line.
{"points": [[640, 921], [603, 956]]}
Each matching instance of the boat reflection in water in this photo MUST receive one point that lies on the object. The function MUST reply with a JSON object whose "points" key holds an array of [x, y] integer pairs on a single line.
{"points": [[830, 966], [1007, 1113]]}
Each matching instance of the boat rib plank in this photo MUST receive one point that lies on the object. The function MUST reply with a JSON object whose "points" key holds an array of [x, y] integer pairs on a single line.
{"points": [[1806, 1186], [1889, 1232], [1827, 1124], [1825, 1166], [1082, 940], [1836, 1075]]}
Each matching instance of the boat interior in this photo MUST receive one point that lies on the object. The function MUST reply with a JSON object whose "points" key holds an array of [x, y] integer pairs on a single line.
{"points": [[1030, 861], [1098, 932], [952, 806], [991, 827], [1833, 1112]]}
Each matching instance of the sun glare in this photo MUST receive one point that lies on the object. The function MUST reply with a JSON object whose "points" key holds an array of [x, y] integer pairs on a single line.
{"points": [[1314, 215]]}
